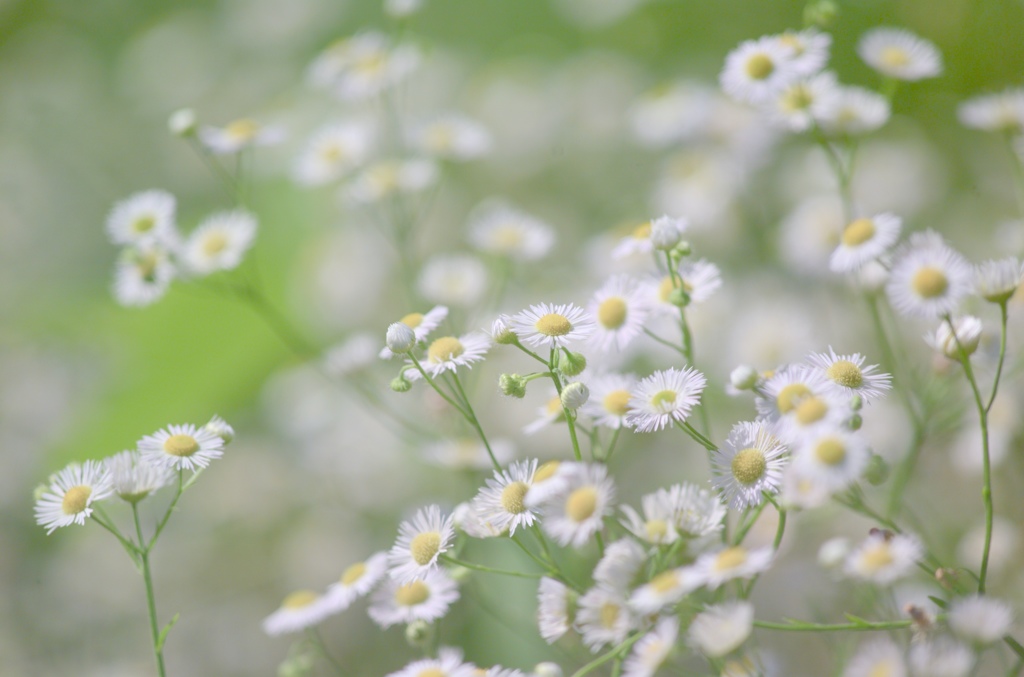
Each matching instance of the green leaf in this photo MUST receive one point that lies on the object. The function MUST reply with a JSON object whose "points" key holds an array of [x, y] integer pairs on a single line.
{"points": [[163, 633]]}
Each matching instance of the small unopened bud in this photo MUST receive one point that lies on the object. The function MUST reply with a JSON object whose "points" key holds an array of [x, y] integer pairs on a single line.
{"points": [[512, 385], [38, 492], [400, 337], [967, 337], [575, 395], [417, 634], [682, 250], [547, 669], [183, 122], [744, 377], [878, 470], [400, 384], [666, 232], [856, 403], [221, 429], [821, 14], [679, 297], [571, 364], [501, 331], [855, 422]]}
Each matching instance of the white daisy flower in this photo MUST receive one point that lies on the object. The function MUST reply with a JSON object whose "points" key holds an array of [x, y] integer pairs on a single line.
{"points": [[801, 488], [620, 310], [575, 510], [454, 279], [142, 275], [900, 54], [884, 557], [658, 524], [467, 520], [1001, 112], [665, 589], [426, 599], [356, 581], [809, 50], [448, 353], [300, 610], [609, 399], [181, 447], [697, 512], [400, 9], [812, 416], [853, 110], [877, 657], [385, 178], [928, 278], [552, 326], [467, 453], [864, 240], [448, 663], [219, 243], [353, 354], [833, 460], [671, 112], [362, 66], [749, 463], [551, 477], [940, 657], [554, 601], [240, 134], [420, 541], [784, 390], [620, 565], [551, 412], [798, 105], [721, 629], [500, 229], [502, 502], [980, 619], [603, 618], [850, 377], [998, 281], [452, 136], [221, 428], [421, 324], [665, 397], [133, 478], [964, 334], [700, 279], [71, 493], [333, 151], [637, 242], [713, 569], [757, 69], [651, 652], [143, 218]]}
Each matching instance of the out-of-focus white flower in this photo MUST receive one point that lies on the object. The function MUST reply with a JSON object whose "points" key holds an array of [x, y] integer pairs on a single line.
{"points": [[928, 278], [240, 134], [1001, 112], [300, 610], [900, 54], [998, 281], [940, 657], [863, 240], [389, 177], [877, 657], [671, 113], [219, 242], [553, 604], [426, 599], [980, 619], [456, 280], [758, 69], [609, 399], [133, 478], [620, 309], [798, 105], [451, 136], [142, 275], [603, 618], [497, 228], [620, 565], [652, 650], [333, 151], [576, 507], [731, 563], [721, 629], [402, 8], [853, 110], [142, 219], [357, 580], [362, 66], [883, 557]]}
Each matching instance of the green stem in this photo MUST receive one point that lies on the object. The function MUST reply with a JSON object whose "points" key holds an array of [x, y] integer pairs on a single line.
{"points": [[102, 519], [860, 626], [276, 321], [150, 597], [700, 439], [664, 342], [610, 655], [491, 570], [433, 384], [170, 509], [779, 531], [318, 643], [749, 523], [474, 421], [1003, 316], [611, 445]]}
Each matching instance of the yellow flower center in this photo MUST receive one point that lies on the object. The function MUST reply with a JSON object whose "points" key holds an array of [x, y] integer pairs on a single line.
{"points": [[143, 224], [554, 405], [181, 445], [793, 42], [242, 130], [299, 599], [830, 451], [858, 232], [929, 282], [507, 237], [444, 349], [759, 66], [439, 138], [146, 264], [412, 320], [353, 573], [845, 373], [790, 396], [617, 402], [612, 313], [796, 98], [332, 153], [370, 64], [884, 669], [748, 466], [546, 471], [656, 530], [75, 499], [665, 582], [424, 547], [581, 504], [667, 285], [609, 614], [877, 557], [730, 558], [431, 672], [811, 410], [894, 57], [643, 231], [663, 400], [512, 497], [412, 594], [214, 244], [553, 324]]}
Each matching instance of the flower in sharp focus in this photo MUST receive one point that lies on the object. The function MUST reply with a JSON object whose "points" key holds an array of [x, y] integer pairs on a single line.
{"points": [[576, 509], [502, 502], [71, 493], [238, 135], [448, 353], [980, 619], [721, 629], [143, 274], [603, 618], [420, 541], [500, 229], [884, 557], [620, 310], [652, 650], [554, 604], [552, 326], [850, 377], [426, 599], [133, 478], [749, 463], [143, 218], [219, 243], [900, 54], [998, 281], [357, 580], [449, 663], [864, 240], [182, 447], [300, 610], [333, 151], [665, 397], [421, 324]]}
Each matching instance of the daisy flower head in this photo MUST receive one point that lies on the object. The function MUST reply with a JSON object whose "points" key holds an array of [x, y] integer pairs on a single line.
{"points": [[955, 335], [71, 493], [998, 281], [801, 488], [809, 50], [665, 589], [362, 66], [756, 70], [353, 354], [665, 397], [928, 278], [502, 502], [454, 279], [749, 463], [864, 240], [385, 178], [877, 657], [551, 412], [142, 218], [464, 453], [425, 599], [798, 105], [448, 663], [784, 390], [421, 324], [620, 565], [300, 610], [181, 447], [356, 581], [550, 478], [133, 478], [721, 629], [940, 657], [814, 415], [657, 526], [555, 602], [884, 557], [420, 542], [620, 310], [603, 618], [731, 563], [221, 428], [980, 619], [700, 279], [333, 151], [503, 230], [576, 507], [448, 353], [651, 652], [638, 241], [143, 274], [552, 326], [853, 110], [833, 460], [850, 377], [610, 394], [452, 136], [238, 135], [697, 512], [219, 243], [900, 54], [1001, 112]]}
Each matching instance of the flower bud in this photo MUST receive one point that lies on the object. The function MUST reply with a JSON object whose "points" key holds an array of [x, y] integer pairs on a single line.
{"points": [[575, 395], [183, 122], [666, 232], [821, 14], [571, 364], [856, 403], [512, 385], [400, 338], [501, 331], [877, 471], [417, 634], [744, 377], [221, 429], [679, 297], [968, 336], [400, 384], [855, 422]]}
